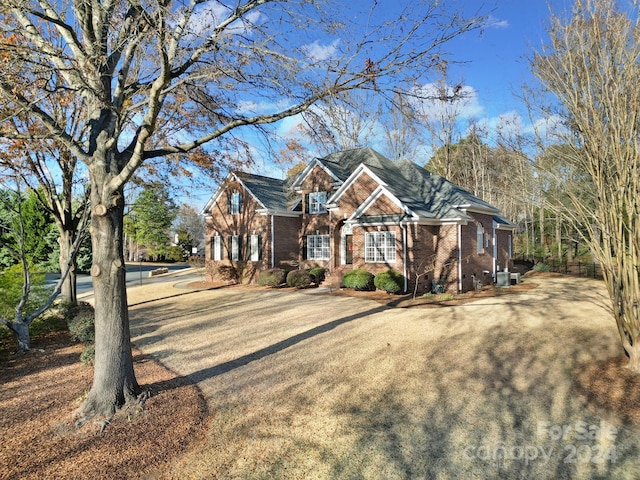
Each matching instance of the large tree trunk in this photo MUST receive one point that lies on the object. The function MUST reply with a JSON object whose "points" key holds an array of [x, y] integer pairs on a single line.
{"points": [[114, 381], [68, 292]]}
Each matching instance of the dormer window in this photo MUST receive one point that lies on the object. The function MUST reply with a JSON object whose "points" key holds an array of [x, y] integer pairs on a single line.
{"points": [[317, 202]]}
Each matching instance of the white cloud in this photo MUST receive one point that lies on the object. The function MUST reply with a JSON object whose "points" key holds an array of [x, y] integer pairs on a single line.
{"points": [[436, 101], [207, 17], [494, 22], [317, 52]]}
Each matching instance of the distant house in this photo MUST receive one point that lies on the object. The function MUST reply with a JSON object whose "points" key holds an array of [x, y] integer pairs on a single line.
{"points": [[357, 209]]}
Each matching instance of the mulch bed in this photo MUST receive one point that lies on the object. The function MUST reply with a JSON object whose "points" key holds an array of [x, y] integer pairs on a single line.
{"points": [[41, 389]]}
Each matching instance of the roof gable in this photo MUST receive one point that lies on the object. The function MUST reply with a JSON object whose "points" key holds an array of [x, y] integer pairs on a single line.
{"points": [[427, 196], [269, 193], [316, 162]]}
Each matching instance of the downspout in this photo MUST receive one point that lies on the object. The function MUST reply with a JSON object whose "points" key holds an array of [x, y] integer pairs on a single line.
{"points": [[273, 245], [459, 258], [404, 255], [494, 251]]}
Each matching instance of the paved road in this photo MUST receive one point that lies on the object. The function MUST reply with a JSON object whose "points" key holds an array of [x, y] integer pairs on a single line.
{"points": [[137, 274], [317, 386]]}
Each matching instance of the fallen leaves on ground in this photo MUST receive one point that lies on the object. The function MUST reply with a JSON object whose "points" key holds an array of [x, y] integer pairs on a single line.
{"points": [[41, 389]]}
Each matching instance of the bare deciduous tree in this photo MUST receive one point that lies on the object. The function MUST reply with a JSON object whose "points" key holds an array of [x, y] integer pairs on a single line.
{"points": [[591, 66], [201, 70]]}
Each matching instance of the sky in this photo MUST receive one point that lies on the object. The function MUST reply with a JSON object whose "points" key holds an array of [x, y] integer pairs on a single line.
{"points": [[491, 63]]}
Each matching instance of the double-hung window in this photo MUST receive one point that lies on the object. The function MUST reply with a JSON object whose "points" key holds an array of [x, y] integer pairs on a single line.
{"points": [[235, 248], [317, 202], [216, 247], [479, 239], [255, 248], [380, 247], [318, 247], [235, 203]]}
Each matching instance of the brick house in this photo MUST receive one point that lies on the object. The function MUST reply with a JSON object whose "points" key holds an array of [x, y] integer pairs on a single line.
{"points": [[357, 209]]}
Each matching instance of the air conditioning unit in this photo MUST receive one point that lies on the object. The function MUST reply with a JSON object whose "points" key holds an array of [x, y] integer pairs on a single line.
{"points": [[503, 279]]}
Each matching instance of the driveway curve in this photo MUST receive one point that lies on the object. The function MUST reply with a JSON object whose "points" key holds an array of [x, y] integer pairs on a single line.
{"points": [[306, 385]]}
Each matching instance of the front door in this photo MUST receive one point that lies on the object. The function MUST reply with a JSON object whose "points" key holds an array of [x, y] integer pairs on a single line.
{"points": [[348, 257]]}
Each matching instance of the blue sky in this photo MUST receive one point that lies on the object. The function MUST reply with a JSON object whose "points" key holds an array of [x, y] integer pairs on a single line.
{"points": [[491, 63], [496, 59]]}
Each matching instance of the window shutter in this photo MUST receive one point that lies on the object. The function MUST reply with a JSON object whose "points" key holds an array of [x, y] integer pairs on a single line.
{"points": [[240, 255], [229, 202], [230, 247], [259, 247], [239, 202], [304, 248], [305, 201]]}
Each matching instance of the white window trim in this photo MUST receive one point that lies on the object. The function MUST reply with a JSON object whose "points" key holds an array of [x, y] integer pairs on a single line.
{"points": [[217, 248], [318, 247], [380, 247], [235, 203], [317, 202], [255, 248], [479, 239], [235, 248]]}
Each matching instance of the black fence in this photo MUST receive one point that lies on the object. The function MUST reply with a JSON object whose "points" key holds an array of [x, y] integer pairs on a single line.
{"points": [[577, 268]]}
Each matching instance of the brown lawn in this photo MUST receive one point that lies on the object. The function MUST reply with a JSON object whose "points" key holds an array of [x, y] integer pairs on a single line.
{"points": [[40, 390]]}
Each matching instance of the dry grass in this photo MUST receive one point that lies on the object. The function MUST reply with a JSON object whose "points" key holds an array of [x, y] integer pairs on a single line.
{"points": [[312, 386], [303, 385]]}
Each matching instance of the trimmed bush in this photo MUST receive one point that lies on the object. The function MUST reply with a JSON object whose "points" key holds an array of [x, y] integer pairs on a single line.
{"points": [[273, 277], [358, 279], [317, 274], [81, 321], [299, 279], [389, 281]]}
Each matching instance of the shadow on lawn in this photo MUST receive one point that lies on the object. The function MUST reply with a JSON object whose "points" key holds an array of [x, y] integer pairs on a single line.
{"points": [[211, 372], [492, 412], [477, 402]]}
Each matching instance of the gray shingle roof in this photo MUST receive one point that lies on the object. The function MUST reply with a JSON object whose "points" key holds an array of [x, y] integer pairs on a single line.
{"points": [[270, 192], [427, 195]]}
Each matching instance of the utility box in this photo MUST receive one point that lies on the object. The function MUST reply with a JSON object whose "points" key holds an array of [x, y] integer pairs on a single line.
{"points": [[503, 279]]}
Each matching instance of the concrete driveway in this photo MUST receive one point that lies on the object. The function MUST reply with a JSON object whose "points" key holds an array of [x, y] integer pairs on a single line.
{"points": [[315, 386]]}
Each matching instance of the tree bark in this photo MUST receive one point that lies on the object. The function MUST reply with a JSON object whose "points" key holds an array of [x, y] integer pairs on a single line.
{"points": [[68, 292], [21, 333], [114, 381]]}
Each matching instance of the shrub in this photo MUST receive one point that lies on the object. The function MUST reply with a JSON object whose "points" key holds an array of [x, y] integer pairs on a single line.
{"points": [[540, 267], [358, 280], [81, 321], [389, 281], [11, 291], [88, 355], [229, 273], [317, 274], [299, 279], [273, 277]]}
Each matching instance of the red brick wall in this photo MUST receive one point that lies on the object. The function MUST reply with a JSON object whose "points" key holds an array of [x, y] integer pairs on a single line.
{"points": [[474, 264], [287, 241], [244, 224], [318, 180], [504, 260]]}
